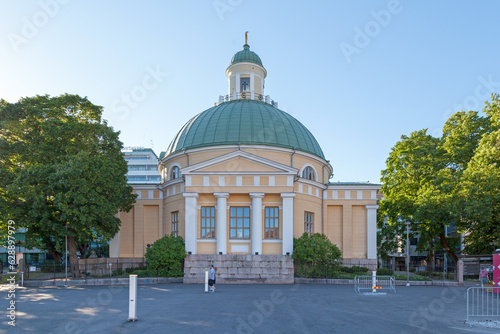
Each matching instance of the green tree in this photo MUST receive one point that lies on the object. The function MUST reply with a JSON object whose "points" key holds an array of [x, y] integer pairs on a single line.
{"points": [[424, 182], [315, 249], [481, 188], [165, 255], [63, 173], [415, 190]]}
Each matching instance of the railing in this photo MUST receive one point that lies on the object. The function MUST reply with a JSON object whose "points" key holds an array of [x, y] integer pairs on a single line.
{"points": [[51, 271], [329, 271], [483, 304], [374, 284], [246, 96], [437, 272]]}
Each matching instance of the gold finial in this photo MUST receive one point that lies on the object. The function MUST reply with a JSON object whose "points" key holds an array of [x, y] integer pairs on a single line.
{"points": [[246, 37]]}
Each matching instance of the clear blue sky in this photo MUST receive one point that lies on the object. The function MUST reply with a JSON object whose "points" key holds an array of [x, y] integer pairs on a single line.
{"points": [[358, 74]]}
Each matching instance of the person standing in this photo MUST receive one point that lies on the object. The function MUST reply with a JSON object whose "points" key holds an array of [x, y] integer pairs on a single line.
{"points": [[211, 278], [483, 276]]}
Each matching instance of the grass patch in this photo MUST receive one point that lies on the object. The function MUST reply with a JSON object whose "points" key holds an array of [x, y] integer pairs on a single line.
{"points": [[6, 278]]}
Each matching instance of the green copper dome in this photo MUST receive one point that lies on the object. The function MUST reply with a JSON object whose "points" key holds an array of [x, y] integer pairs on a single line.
{"points": [[245, 122], [246, 56]]}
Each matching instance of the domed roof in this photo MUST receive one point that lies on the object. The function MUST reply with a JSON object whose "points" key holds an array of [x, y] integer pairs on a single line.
{"points": [[245, 122], [246, 56]]}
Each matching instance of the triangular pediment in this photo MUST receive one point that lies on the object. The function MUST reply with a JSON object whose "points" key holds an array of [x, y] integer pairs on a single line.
{"points": [[239, 162]]}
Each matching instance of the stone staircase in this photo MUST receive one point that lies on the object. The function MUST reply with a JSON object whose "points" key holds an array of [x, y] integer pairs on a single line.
{"points": [[240, 269]]}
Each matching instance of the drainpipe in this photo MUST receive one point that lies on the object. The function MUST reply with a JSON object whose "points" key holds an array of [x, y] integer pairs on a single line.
{"points": [[323, 198], [291, 157], [162, 211]]}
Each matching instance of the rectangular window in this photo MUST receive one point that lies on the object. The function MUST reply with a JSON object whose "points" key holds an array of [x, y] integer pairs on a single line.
{"points": [[244, 84], [208, 222], [240, 223], [175, 223], [309, 222], [272, 223]]}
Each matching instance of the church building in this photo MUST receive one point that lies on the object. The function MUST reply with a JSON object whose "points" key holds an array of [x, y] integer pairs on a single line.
{"points": [[239, 181]]}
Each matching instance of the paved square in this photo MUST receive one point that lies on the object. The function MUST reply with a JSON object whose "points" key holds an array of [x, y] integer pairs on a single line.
{"points": [[179, 308]]}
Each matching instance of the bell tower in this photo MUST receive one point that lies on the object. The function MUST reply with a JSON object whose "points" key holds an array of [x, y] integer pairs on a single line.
{"points": [[246, 75]]}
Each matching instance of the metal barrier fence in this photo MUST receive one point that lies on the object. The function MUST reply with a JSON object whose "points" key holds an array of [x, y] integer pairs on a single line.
{"points": [[483, 303], [91, 270], [374, 284]]}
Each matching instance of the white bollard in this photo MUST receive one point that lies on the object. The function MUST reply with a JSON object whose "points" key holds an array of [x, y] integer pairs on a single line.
{"points": [[206, 281], [132, 305], [374, 281]]}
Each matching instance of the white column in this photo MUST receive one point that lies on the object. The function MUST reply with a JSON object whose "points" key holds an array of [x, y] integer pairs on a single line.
{"points": [[114, 246], [287, 222], [237, 83], [191, 220], [221, 222], [257, 222], [252, 87], [371, 231]]}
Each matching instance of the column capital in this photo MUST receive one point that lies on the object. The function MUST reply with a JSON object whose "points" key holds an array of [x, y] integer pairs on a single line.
{"points": [[257, 195], [371, 207], [288, 195], [191, 195], [221, 195]]}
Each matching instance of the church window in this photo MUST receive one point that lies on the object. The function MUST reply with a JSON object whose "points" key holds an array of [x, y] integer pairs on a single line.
{"points": [[244, 84], [175, 223], [240, 223], [272, 223], [308, 173], [208, 222], [175, 173], [309, 222]]}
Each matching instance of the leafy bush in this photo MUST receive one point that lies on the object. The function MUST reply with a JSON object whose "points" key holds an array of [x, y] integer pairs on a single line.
{"points": [[385, 272], [354, 270], [141, 273], [315, 256], [315, 249], [118, 272], [164, 257]]}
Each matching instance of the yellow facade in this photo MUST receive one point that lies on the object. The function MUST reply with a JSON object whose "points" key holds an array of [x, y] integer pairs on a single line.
{"points": [[339, 211]]}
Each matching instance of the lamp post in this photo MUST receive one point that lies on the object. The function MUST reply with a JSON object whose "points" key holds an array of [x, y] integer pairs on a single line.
{"points": [[445, 258], [407, 253]]}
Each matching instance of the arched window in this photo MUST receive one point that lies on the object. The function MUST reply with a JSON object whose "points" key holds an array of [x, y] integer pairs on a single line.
{"points": [[308, 173], [175, 173]]}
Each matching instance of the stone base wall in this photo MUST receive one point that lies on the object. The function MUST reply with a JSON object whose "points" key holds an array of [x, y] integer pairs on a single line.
{"points": [[239, 269], [368, 263]]}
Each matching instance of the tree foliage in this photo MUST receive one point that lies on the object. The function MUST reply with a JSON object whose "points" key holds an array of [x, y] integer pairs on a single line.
{"points": [[481, 188], [448, 181], [62, 172], [315, 249], [165, 255]]}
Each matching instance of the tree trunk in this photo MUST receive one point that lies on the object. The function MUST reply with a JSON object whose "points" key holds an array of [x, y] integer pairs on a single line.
{"points": [[51, 249], [73, 257], [84, 248], [430, 257], [444, 242]]}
